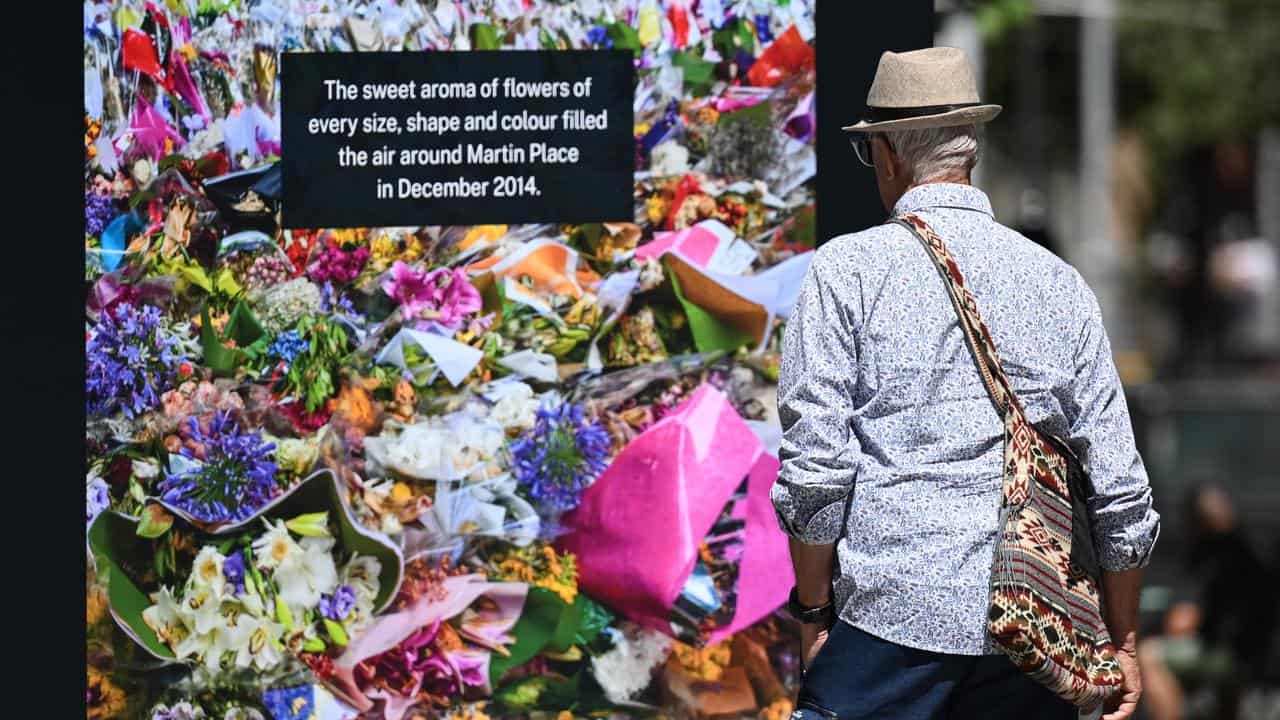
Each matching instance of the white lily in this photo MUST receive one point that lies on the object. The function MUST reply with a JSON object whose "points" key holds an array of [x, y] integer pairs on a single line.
{"points": [[165, 618], [275, 547], [361, 573], [207, 574], [204, 608], [255, 641], [304, 576]]}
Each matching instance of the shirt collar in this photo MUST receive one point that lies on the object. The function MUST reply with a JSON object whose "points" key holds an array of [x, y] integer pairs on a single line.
{"points": [[948, 195]]}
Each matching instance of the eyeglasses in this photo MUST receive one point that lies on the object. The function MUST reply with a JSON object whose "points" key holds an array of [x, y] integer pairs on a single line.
{"points": [[862, 147]]}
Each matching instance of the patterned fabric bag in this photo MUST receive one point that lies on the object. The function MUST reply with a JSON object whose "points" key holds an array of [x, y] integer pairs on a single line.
{"points": [[1045, 609]]}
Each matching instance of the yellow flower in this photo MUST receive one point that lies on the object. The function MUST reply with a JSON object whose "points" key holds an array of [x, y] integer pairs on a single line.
{"points": [[705, 664], [96, 605], [642, 128], [564, 715], [106, 699], [777, 710], [383, 248], [515, 569], [655, 208], [400, 493]]}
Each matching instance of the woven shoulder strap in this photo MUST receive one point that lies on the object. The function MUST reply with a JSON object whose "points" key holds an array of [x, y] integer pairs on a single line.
{"points": [[980, 342]]}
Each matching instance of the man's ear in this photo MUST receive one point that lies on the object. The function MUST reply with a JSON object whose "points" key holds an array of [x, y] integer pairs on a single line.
{"points": [[888, 159]]}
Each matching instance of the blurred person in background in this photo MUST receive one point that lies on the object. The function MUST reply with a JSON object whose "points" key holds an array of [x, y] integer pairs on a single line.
{"points": [[893, 453], [1216, 647]]}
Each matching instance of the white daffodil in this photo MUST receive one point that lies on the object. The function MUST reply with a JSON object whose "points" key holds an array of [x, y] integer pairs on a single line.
{"points": [[361, 573], [206, 574], [255, 641], [205, 647], [276, 547], [165, 617], [303, 577], [204, 609]]}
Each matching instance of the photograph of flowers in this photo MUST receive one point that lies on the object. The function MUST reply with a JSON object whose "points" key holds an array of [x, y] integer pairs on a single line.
{"points": [[436, 471]]}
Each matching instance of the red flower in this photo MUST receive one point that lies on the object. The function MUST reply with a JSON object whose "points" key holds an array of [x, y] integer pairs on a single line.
{"points": [[185, 370]]}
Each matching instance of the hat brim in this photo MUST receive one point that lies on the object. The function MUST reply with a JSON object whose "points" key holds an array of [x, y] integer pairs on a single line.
{"points": [[961, 116]]}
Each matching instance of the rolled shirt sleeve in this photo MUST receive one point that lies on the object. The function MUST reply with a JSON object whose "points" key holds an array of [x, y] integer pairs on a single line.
{"points": [[1124, 522], [819, 451]]}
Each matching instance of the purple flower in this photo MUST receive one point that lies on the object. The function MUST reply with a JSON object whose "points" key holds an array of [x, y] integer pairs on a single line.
{"points": [[97, 499], [561, 455], [99, 211], [233, 571], [332, 300], [333, 264], [129, 361], [337, 606], [236, 479], [442, 295]]}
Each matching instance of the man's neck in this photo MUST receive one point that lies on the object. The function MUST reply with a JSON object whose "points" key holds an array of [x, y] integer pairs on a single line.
{"points": [[953, 179]]}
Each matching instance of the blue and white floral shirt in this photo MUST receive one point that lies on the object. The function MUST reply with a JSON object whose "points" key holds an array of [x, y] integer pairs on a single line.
{"points": [[891, 446]]}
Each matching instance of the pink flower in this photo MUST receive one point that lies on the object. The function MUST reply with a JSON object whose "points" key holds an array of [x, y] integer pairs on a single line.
{"points": [[443, 295]]}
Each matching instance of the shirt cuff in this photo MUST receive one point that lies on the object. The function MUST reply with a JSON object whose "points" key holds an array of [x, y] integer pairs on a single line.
{"points": [[821, 528], [1134, 550]]}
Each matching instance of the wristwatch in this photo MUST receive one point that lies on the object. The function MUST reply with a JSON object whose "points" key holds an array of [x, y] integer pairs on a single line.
{"points": [[824, 615]]}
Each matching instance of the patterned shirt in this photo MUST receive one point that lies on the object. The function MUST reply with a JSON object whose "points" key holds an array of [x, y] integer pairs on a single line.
{"points": [[891, 445]]}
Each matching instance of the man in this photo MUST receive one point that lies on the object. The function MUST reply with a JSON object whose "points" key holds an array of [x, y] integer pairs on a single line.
{"points": [[892, 450]]}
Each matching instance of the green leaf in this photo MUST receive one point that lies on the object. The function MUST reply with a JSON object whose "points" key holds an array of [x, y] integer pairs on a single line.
{"points": [[112, 538], [536, 628], [698, 73], [226, 283], [625, 37], [733, 36], [310, 524], [314, 645], [284, 615], [539, 692], [155, 521], [595, 618], [336, 632], [484, 37]]}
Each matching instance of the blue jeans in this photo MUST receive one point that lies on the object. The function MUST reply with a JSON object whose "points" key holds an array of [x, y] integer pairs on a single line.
{"points": [[857, 675]]}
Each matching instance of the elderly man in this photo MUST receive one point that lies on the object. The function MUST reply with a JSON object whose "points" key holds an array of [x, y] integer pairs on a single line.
{"points": [[892, 452]]}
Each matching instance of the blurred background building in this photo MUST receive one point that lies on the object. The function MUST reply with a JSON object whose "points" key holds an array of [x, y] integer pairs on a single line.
{"points": [[1141, 142]]}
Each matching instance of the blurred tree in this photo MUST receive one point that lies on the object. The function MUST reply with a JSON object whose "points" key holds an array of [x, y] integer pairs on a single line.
{"points": [[1194, 72]]}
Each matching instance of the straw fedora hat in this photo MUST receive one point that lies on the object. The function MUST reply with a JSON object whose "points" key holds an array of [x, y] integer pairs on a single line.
{"points": [[926, 88]]}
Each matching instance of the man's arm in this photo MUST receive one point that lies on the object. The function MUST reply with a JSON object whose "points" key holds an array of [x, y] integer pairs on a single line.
{"points": [[1124, 523], [818, 452], [813, 564], [1120, 595]]}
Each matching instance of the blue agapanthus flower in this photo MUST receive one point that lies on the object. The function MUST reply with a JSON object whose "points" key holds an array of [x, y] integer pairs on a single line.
{"points": [[598, 36], [236, 478], [129, 361], [561, 455], [295, 703], [287, 345]]}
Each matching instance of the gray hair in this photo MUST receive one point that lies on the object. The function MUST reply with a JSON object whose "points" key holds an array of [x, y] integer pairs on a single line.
{"points": [[930, 153]]}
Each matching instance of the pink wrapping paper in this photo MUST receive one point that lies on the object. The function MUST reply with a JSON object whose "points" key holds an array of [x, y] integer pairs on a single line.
{"points": [[388, 631], [695, 243], [637, 531]]}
